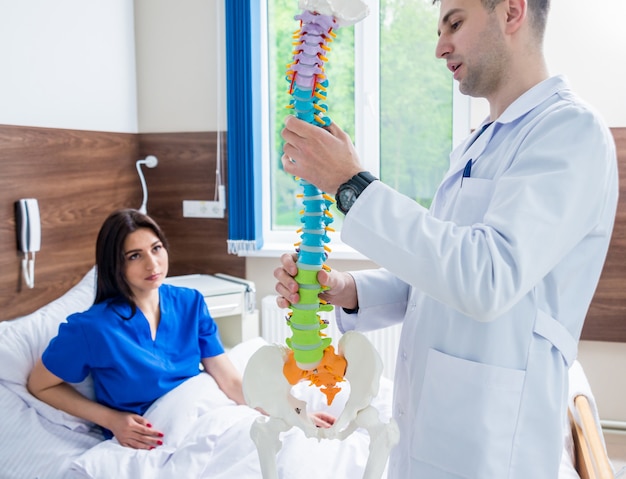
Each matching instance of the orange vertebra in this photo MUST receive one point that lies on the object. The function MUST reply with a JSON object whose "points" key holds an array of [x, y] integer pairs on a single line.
{"points": [[330, 371]]}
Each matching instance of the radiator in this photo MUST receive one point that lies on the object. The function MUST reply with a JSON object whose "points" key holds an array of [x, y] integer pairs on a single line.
{"points": [[274, 329]]}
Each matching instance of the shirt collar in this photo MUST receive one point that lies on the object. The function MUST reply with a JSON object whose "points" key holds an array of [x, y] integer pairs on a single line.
{"points": [[532, 98]]}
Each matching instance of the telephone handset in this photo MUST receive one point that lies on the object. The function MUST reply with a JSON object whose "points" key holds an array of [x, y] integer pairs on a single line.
{"points": [[28, 224]]}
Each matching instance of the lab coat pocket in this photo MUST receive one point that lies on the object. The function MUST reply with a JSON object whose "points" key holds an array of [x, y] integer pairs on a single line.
{"points": [[472, 201], [467, 415]]}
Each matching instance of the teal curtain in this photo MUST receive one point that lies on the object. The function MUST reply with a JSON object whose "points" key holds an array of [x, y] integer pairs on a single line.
{"points": [[243, 92]]}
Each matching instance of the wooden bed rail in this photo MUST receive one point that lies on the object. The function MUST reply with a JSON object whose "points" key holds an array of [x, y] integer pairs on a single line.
{"points": [[592, 461]]}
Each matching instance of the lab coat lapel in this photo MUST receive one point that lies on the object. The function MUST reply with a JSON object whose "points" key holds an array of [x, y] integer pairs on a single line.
{"points": [[477, 147], [476, 143], [471, 148]]}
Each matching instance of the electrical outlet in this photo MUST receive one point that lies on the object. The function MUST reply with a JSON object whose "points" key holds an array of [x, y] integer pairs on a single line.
{"points": [[202, 209]]}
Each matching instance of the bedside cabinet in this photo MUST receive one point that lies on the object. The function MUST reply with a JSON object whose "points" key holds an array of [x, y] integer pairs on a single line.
{"points": [[230, 301]]}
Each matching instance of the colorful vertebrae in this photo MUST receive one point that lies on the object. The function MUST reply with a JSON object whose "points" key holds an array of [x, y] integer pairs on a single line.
{"points": [[313, 356]]}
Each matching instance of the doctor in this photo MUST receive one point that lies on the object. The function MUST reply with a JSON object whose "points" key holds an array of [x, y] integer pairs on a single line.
{"points": [[493, 283]]}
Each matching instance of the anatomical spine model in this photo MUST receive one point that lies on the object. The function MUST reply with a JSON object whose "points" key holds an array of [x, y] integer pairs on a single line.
{"points": [[273, 369]]}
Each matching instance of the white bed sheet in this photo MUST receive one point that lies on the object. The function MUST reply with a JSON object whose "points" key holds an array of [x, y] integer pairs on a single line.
{"points": [[33, 447], [206, 435]]}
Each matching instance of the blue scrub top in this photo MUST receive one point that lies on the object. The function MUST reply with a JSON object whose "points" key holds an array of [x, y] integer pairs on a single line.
{"points": [[130, 370]]}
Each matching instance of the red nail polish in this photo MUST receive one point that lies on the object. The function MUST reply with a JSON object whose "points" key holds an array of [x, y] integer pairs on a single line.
{"points": [[148, 425], [160, 434], [160, 443]]}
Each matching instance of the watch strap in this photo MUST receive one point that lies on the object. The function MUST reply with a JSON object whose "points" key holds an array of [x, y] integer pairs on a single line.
{"points": [[357, 183], [361, 180]]}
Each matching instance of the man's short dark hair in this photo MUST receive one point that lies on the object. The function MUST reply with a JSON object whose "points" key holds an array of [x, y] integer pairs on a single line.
{"points": [[537, 9]]}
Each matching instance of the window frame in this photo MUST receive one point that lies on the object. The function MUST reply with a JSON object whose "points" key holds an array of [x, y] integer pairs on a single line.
{"points": [[367, 129]]}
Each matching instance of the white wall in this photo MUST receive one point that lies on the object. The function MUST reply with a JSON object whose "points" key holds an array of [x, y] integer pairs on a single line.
{"points": [[585, 41], [76, 64], [180, 65], [68, 64]]}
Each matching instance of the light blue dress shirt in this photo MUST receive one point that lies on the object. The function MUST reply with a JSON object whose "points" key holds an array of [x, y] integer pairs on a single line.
{"points": [[492, 285]]}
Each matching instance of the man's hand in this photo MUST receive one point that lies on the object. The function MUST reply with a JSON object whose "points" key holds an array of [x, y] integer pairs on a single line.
{"points": [[341, 288], [325, 157]]}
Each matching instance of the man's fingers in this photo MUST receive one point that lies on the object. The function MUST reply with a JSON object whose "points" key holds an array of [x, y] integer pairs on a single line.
{"points": [[282, 302], [325, 279], [288, 260], [286, 298], [334, 130]]}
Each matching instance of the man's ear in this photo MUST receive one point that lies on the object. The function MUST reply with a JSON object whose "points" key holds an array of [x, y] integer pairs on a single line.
{"points": [[517, 13]]}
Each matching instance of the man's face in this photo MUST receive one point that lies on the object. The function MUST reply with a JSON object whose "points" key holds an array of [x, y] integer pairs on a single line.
{"points": [[473, 44]]}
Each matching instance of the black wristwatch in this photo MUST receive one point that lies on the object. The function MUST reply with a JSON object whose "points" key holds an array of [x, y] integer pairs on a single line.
{"points": [[351, 189]]}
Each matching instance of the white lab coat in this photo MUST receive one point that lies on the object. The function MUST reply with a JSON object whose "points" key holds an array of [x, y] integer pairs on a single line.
{"points": [[493, 285]]}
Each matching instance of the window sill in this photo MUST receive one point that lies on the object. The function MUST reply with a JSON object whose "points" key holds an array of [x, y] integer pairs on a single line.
{"points": [[275, 250]]}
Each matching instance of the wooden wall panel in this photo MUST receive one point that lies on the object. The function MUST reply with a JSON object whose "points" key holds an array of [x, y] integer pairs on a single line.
{"points": [[78, 178], [606, 320], [186, 171]]}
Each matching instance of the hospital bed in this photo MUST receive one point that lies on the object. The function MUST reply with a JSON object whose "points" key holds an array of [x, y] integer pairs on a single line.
{"points": [[585, 450], [592, 461], [208, 436]]}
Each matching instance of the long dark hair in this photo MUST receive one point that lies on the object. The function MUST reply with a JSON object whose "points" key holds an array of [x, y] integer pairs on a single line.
{"points": [[110, 259]]}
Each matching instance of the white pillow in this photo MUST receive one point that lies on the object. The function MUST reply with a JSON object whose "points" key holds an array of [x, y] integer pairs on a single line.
{"points": [[23, 340]]}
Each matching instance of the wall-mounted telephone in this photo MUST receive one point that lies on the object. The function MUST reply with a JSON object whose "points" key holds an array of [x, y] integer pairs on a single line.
{"points": [[28, 226]]}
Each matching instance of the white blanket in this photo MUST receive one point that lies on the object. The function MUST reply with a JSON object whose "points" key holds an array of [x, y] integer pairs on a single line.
{"points": [[208, 436], [205, 436]]}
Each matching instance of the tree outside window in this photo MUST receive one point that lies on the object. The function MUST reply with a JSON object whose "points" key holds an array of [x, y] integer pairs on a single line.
{"points": [[414, 94]]}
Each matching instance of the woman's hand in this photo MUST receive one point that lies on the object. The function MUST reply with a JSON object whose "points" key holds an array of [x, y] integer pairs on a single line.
{"points": [[133, 430], [341, 288], [322, 419]]}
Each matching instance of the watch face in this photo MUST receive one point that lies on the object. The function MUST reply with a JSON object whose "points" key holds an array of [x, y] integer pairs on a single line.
{"points": [[346, 198]]}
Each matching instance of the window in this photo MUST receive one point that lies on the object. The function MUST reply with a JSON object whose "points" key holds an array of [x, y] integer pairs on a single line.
{"points": [[386, 89]]}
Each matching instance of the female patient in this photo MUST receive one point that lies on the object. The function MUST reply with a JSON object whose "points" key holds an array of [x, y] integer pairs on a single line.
{"points": [[139, 340]]}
